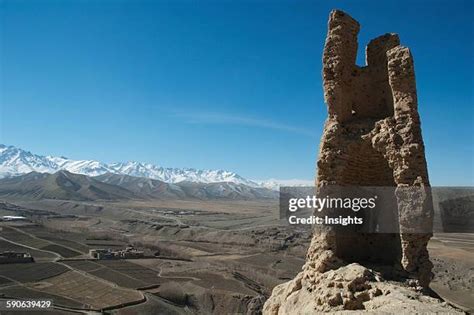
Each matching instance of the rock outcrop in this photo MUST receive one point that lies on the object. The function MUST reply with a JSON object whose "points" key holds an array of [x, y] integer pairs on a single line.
{"points": [[372, 137], [351, 289]]}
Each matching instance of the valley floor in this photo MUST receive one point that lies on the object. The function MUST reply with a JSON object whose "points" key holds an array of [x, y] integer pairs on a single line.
{"points": [[200, 257]]}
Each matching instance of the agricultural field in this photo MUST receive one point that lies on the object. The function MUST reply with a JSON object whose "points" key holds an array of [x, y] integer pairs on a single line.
{"points": [[61, 250], [73, 245], [197, 264], [5, 281], [132, 270], [112, 275], [27, 239], [88, 290], [83, 265], [73, 241], [121, 279], [31, 272], [224, 282], [23, 292], [40, 256], [14, 235], [122, 273]]}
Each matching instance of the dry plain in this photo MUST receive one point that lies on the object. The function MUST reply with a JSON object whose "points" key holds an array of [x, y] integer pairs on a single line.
{"points": [[201, 256]]}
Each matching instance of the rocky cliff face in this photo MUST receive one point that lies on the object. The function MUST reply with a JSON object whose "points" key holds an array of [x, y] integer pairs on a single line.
{"points": [[372, 137]]}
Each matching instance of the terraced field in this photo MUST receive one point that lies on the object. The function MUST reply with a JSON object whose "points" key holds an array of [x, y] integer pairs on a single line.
{"points": [[23, 238], [31, 272], [122, 273], [73, 241], [68, 243], [130, 269], [218, 282], [87, 290], [120, 279], [23, 292], [29, 240], [84, 265], [61, 250]]}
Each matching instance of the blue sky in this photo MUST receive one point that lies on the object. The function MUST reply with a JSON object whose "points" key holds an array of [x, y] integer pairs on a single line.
{"points": [[230, 85]]}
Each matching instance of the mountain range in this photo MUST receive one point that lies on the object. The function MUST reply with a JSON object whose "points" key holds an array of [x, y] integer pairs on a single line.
{"points": [[64, 185], [16, 161]]}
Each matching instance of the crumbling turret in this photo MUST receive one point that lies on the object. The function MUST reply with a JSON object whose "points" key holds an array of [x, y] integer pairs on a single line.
{"points": [[372, 137]]}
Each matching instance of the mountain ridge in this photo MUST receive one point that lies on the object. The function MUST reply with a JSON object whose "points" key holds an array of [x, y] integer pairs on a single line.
{"points": [[61, 185], [64, 185], [15, 161], [156, 189]]}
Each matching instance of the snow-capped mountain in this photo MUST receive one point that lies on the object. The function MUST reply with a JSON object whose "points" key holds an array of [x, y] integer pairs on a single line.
{"points": [[176, 175], [15, 161], [274, 184], [86, 167]]}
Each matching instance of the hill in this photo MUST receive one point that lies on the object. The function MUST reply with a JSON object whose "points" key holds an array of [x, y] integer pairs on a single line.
{"points": [[61, 185], [69, 186]]}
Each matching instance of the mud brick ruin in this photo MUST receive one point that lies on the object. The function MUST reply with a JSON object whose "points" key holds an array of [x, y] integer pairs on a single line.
{"points": [[372, 137]]}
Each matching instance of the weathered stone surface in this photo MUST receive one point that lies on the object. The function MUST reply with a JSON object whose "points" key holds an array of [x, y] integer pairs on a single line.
{"points": [[372, 137], [350, 289]]}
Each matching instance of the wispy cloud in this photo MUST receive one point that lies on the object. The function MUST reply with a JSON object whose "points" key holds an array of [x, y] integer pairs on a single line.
{"points": [[228, 119]]}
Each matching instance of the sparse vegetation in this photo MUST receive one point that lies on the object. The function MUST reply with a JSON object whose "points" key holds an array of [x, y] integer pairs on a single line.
{"points": [[198, 262]]}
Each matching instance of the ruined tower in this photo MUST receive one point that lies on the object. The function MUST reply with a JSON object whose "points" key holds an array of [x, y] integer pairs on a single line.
{"points": [[372, 137]]}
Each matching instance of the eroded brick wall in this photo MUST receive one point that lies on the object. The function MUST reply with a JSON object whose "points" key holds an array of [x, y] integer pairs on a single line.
{"points": [[372, 137]]}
